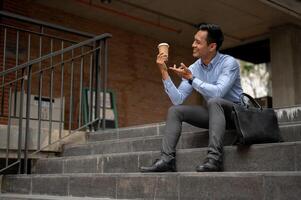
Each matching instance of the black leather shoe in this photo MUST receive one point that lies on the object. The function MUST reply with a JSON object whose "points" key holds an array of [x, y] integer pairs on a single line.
{"points": [[161, 166], [210, 165]]}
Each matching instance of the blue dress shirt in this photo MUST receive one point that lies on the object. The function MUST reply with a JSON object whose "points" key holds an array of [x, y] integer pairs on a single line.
{"points": [[221, 78]]}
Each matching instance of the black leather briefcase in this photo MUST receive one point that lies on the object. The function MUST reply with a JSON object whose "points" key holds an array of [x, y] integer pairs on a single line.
{"points": [[255, 124]]}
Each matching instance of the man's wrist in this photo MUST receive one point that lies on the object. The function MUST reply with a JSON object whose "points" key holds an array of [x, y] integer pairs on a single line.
{"points": [[165, 74], [191, 80]]}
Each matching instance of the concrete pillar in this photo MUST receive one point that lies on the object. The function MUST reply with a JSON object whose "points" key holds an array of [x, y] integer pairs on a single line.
{"points": [[285, 45]]}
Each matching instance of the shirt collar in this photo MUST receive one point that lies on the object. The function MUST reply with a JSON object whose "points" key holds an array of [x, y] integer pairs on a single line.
{"points": [[212, 63]]}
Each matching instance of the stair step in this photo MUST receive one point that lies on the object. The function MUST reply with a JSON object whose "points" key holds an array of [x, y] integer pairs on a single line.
{"points": [[291, 132], [284, 156], [285, 115], [138, 131], [235, 185], [289, 114], [9, 196], [147, 143], [196, 139]]}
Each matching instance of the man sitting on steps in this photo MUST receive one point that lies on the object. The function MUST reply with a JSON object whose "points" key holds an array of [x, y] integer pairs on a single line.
{"points": [[215, 76]]}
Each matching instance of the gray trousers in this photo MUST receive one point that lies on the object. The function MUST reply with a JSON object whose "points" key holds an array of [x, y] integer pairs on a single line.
{"points": [[215, 116]]}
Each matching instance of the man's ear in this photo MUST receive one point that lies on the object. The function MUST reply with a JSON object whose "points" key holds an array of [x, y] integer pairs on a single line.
{"points": [[212, 46]]}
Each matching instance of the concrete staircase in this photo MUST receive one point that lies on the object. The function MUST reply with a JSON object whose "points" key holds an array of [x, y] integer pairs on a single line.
{"points": [[107, 167]]}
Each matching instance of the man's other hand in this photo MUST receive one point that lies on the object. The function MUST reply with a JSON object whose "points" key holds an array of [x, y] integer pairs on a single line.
{"points": [[182, 71]]}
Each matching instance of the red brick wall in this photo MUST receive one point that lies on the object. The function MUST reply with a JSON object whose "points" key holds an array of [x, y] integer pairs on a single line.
{"points": [[133, 74]]}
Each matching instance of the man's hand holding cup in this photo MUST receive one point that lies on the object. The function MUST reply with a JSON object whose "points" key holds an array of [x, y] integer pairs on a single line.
{"points": [[162, 57]]}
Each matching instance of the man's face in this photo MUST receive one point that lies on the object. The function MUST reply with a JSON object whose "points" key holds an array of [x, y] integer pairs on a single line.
{"points": [[200, 48]]}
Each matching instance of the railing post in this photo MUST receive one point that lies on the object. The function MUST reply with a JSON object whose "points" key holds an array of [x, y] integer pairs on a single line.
{"points": [[71, 92], [91, 92], [62, 91], [27, 117], [97, 83], [105, 73], [3, 69], [81, 88], [20, 122], [17, 62], [40, 84], [51, 90], [9, 124]]}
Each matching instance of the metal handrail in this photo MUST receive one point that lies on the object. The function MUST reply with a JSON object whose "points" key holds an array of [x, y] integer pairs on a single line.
{"points": [[30, 32], [28, 66], [26, 72], [39, 34], [46, 24], [59, 52], [45, 69]]}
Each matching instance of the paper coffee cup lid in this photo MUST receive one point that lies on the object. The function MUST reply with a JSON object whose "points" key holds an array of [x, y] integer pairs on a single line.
{"points": [[161, 44]]}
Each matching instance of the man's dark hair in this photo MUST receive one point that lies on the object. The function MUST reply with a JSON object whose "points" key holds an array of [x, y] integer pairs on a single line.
{"points": [[215, 34]]}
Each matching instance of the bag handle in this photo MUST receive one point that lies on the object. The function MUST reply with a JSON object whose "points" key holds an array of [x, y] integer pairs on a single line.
{"points": [[254, 102]]}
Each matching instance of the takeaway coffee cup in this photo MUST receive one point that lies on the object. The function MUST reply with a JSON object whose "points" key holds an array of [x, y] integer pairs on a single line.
{"points": [[163, 48]]}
